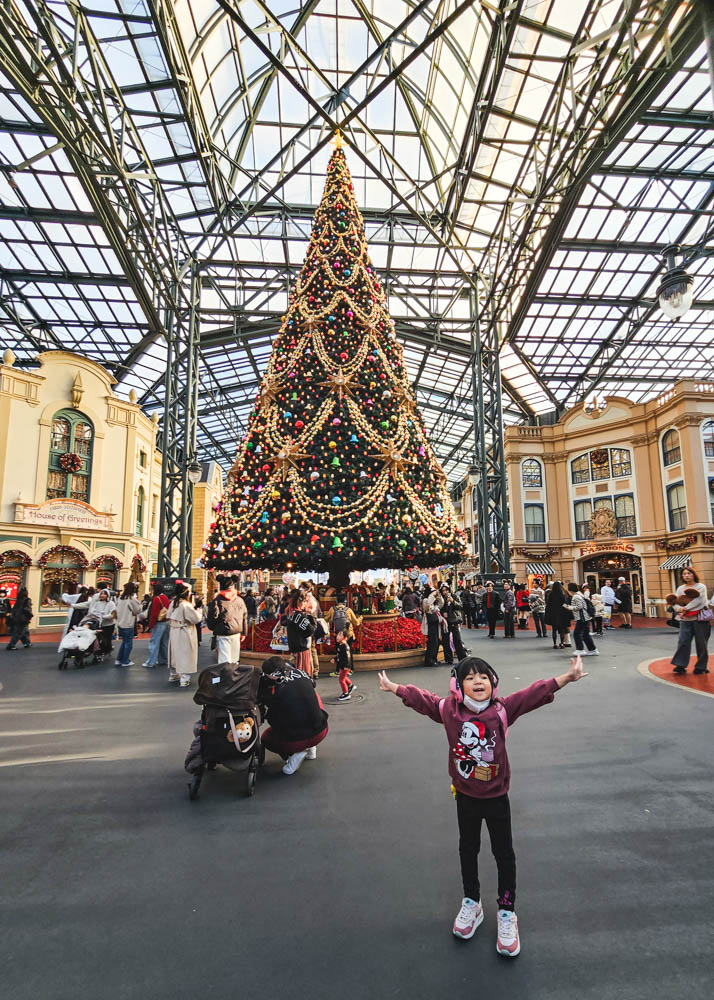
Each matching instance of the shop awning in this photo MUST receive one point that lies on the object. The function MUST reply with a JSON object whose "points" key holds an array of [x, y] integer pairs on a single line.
{"points": [[677, 562], [539, 569]]}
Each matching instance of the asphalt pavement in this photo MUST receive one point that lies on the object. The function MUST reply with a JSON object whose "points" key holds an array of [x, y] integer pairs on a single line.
{"points": [[343, 880]]}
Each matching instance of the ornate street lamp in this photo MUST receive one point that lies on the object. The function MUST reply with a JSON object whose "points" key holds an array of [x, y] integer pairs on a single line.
{"points": [[676, 289]]}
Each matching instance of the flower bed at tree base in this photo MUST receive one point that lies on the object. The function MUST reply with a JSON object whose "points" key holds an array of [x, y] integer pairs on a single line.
{"points": [[390, 637]]}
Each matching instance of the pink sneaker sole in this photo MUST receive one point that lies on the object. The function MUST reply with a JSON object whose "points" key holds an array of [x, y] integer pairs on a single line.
{"points": [[510, 951]]}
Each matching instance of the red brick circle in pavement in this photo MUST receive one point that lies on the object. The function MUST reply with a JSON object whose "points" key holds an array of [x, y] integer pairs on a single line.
{"points": [[664, 670]]}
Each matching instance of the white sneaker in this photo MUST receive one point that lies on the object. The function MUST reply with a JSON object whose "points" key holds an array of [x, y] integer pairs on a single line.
{"points": [[294, 761], [508, 943], [311, 754], [469, 917], [592, 652], [118, 663]]}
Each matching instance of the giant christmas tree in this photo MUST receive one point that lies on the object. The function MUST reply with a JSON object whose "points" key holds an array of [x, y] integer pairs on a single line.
{"points": [[335, 472]]}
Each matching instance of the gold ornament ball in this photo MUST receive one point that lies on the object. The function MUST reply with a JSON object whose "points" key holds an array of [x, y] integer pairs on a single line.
{"points": [[332, 444], [438, 548]]}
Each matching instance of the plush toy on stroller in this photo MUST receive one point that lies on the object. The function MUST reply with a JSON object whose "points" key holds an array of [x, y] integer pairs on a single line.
{"points": [[81, 644], [228, 731]]}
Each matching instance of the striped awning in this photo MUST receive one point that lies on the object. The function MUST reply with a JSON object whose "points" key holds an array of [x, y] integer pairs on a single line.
{"points": [[539, 569], [677, 562]]}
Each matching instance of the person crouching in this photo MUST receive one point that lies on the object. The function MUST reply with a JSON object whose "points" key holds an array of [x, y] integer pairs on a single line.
{"points": [[296, 718]]}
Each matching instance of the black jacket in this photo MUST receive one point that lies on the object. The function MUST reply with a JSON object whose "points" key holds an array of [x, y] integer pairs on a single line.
{"points": [[294, 711], [21, 614], [452, 611], [300, 626]]}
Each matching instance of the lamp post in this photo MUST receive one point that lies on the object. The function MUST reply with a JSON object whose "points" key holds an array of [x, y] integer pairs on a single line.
{"points": [[676, 288], [194, 472]]}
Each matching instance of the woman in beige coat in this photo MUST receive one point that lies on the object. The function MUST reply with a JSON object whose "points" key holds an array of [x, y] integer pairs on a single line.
{"points": [[182, 618]]}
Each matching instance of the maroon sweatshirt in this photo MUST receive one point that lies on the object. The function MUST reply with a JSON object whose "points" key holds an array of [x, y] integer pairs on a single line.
{"points": [[478, 762]]}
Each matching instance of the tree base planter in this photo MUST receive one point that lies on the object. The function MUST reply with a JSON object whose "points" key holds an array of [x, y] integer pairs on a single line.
{"points": [[365, 661], [380, 641]]}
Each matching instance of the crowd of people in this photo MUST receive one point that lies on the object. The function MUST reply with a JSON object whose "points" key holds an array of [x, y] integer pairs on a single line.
{"points": [[572, 614]]}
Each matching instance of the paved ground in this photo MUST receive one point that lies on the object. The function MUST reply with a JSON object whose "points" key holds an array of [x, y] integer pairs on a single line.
{"points": [[342, 881]]}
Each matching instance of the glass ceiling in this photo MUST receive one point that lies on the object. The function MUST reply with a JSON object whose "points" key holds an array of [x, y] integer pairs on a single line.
{"points": [[543, 152]]}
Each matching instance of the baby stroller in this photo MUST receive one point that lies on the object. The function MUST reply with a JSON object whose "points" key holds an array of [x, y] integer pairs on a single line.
{"points": [[81, 644], [228, 731]]}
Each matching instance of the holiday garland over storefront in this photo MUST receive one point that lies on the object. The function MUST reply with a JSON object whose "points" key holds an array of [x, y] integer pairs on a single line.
{"points": [[335, 472]]}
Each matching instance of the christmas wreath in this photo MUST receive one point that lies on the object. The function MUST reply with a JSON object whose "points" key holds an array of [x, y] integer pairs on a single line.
{"points": [[14, 555], [599, 456], [61, 553], [70, 461], [114, 560]]}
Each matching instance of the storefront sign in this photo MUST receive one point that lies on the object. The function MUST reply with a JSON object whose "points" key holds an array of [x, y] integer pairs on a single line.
{"points": [[72, 514], [606, 547]]}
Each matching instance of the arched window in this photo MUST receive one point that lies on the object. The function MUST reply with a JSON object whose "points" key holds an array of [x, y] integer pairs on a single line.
{"points": [[531, 473], [140, 497], [580, 469], [61, 574], [535, 522], [671, 452], [72, 435], [708, 437], [677, 507], [107, 574], [625, 515]]}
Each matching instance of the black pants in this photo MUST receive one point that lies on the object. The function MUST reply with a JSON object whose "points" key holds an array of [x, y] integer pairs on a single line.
{"points": [[491, 618], [538, 617], [458, 644], [581, 634], [434, 637], [471, 617], [497, 813], [19, 632], [508, 624]]}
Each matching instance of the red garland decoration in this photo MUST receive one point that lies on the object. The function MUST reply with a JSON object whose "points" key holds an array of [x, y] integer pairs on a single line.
{"points": [[545, 554], [142, 564], [62, 551], [70, 461], [663, 543], [15, 554], [96, 563]]}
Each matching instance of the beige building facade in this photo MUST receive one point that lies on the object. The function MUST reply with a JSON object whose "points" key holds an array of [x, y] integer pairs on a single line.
{"points": [[80, 484], [617, 489]]}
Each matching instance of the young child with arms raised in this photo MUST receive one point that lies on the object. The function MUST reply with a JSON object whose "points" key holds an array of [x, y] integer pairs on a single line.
{"points": [[476, 723]]}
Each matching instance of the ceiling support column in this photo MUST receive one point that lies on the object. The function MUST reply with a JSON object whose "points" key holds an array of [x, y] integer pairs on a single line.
{"points": [[488, 473]]}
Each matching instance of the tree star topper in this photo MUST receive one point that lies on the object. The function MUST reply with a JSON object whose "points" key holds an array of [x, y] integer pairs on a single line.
{"points": [[288, 457]]}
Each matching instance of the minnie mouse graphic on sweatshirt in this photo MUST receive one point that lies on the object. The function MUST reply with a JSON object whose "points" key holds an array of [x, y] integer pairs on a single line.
{"points": [[478, 762]]}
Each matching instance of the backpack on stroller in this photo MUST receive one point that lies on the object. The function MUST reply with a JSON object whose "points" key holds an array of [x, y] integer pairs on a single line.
{"points": [[228, 731], [81, 644]]}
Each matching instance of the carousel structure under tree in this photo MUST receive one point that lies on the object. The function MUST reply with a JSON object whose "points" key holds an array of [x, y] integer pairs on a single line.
{"points": [[335, 472]]}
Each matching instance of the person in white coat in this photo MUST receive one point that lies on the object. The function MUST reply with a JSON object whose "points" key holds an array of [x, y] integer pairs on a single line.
{"points": [[103, 608], [70, 600], [183, 643]]}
